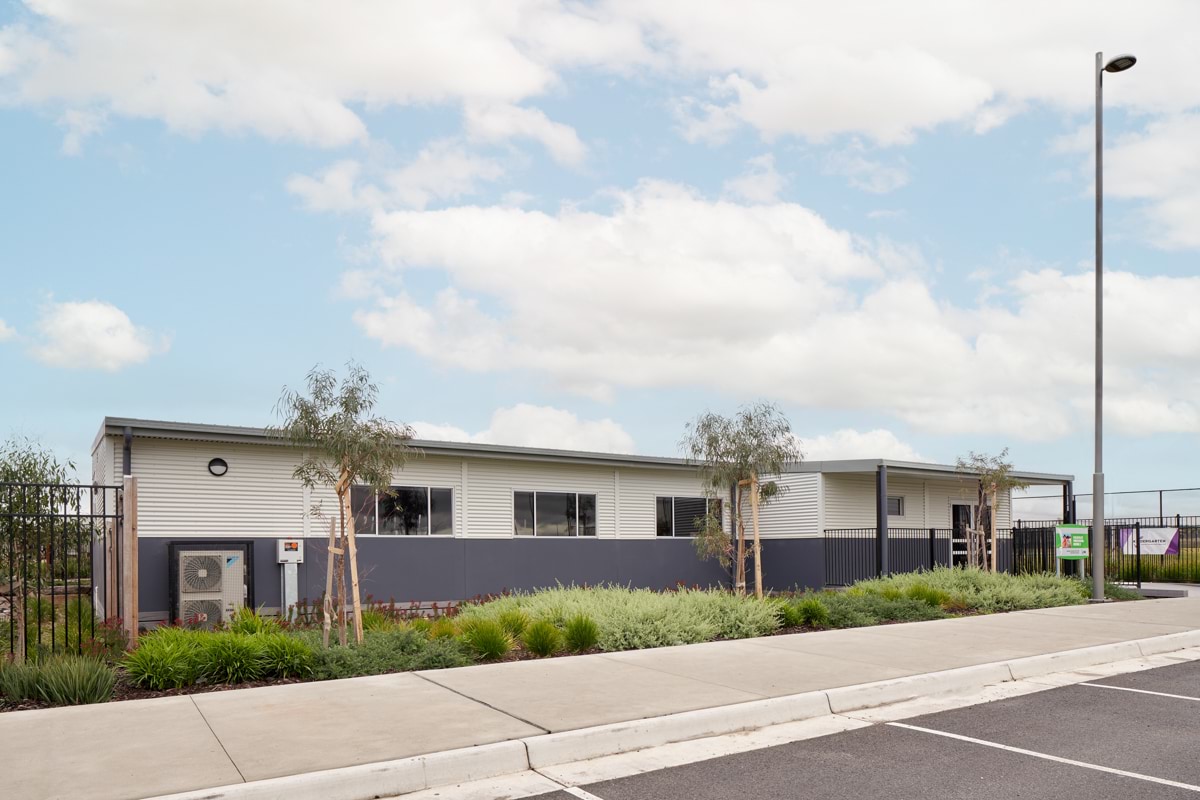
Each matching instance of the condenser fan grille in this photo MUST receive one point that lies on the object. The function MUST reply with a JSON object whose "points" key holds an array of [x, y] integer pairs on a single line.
{"points": [[201, 574], [201, 613]]}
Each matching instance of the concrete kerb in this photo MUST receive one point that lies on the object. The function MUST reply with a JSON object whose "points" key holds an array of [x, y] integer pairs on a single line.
{"points": [[429, 771]]}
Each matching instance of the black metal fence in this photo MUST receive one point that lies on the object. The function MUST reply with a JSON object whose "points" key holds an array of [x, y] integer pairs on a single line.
{"points": [[59, 567], [852, 554], [1126, 560]]}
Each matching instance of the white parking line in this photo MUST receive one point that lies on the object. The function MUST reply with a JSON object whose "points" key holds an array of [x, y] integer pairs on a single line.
{"points": [[580, 793], [1143, 691], [1072, 762]]}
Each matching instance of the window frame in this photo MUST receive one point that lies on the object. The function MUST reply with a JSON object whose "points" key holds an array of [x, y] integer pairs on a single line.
{"points": [[899, 503], [535, 492], [673, 535], [429, 489]]}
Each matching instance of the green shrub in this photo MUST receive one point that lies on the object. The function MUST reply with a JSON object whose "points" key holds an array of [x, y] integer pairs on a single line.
{"points": [[1115, 592], [631, 619], [375, 620], [75, 680], [248, 621], [789, 615], [927, 594], [167, 658], [979, 591], [396, 650], [811, 612], [443, 628], [581, 633], [420, 625], [286, 656], [513, 620], [487, 640], [226, 657], [542, 639], [19, 681]]}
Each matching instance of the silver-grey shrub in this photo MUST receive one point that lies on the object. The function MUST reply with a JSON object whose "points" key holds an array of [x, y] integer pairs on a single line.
{"points": [[633, 619]]}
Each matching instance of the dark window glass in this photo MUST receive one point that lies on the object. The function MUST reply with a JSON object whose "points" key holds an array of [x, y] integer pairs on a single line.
{"points": [[362, 506], [587, 515], [523, 513], [441, 512], [404, 511], [895, 506], [663, 516], [555, 514], [689, 515]]}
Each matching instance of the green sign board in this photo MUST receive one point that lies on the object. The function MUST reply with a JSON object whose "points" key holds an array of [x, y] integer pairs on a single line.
{"points": [[1072, 542]]}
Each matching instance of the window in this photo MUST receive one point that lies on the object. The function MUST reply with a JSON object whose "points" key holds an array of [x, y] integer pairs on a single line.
{"points": [[682, 516], [554, 514], [403, 511], [895, 506]]}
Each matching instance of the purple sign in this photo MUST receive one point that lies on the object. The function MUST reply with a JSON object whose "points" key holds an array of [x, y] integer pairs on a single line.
{"points": [[1155, 541]]}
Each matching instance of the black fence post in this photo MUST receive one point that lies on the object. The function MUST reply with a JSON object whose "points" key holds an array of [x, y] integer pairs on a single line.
{"points": [[1137, 531], [932, 548], [881, 522]]}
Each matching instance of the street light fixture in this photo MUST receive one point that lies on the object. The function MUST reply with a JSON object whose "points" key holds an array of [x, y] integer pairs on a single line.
{"points": [[1118, 64]]}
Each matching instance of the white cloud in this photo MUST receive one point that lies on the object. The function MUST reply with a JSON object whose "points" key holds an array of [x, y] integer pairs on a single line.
{"points": [[93, 335], [443, 170], [882, 70], [80, 125], [6, 331], [1161, 165], [528, 425], [669, 289], [848, 443], [887, 71], [760, 183], [865, 173], [273, 70], [499, 122]]}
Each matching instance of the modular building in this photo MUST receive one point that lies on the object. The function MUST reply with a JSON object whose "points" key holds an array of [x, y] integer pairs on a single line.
{"points": [[471, 519]]}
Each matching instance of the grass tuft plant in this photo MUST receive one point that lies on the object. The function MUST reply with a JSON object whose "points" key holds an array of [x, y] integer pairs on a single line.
{"points": [[513, 620], [19, 681], [248, 621], [75, 680], [581, 633], [231, 658], [542, 639], [812, 612], [487, 640]]}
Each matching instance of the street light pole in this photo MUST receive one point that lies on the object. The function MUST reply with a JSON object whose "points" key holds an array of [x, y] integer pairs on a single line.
{"points": [[1118, 64]]}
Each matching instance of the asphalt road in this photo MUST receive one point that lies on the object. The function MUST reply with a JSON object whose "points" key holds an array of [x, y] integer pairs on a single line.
{"points": [[1087, 740]]}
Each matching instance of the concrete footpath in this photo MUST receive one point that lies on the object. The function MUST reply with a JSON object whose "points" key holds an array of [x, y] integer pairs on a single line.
{"points": [[386, 735]]}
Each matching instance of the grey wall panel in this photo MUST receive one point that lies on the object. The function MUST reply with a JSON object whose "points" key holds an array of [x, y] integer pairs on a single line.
{"points": [[425, 569], [791, 564], [664, 563], [153, 576]]}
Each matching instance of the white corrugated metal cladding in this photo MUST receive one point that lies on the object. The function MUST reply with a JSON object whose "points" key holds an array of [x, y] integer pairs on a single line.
{"points": [[258, 496]]}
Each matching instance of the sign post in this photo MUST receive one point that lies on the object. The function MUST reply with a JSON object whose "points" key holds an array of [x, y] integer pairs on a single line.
{"points": [[1072, 542]]}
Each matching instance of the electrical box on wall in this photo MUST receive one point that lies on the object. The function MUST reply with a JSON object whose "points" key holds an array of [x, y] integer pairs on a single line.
{"points": [[289, 551]]}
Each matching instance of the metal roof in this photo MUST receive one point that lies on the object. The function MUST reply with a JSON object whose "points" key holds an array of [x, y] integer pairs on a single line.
{"points": [[196, 432]]}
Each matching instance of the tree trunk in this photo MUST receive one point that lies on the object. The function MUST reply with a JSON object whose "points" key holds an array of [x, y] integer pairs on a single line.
{"points": [[739, 580], [327, 606], [340, 566], [758, 590], [352, 554]]}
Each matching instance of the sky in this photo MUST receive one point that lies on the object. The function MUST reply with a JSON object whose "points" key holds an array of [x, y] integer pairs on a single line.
{"points": [[581, 225]]}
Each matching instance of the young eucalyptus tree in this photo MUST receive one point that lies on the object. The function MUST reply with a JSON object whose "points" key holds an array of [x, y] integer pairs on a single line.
{"points": [[735, 452], [991, 476], [343, 445]]}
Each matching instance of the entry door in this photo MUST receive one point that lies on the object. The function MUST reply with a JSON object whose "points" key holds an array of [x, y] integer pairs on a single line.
{"points": [[960, 517]]}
